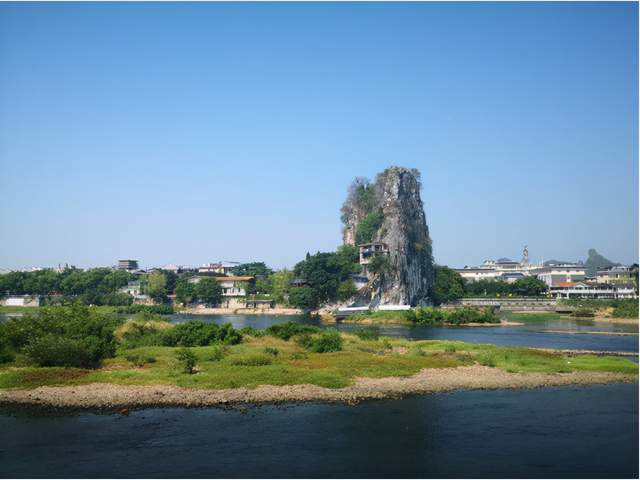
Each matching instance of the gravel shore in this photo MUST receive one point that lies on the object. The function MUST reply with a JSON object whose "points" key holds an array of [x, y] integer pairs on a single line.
{"points": [[100, 396]]}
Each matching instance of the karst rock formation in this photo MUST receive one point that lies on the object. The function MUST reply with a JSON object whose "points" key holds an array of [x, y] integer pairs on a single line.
{"points": [[388, 214]]}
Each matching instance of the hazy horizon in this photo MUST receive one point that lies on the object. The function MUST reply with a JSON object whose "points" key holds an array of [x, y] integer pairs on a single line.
{"points": [[192, 133]]}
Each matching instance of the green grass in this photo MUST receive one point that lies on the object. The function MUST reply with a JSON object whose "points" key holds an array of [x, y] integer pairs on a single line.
{"points": [[250, 364]]}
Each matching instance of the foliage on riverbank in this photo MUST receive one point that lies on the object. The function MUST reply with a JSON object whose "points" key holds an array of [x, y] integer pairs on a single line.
{"points": [[622, 308], [427, 316], [267, 359]]}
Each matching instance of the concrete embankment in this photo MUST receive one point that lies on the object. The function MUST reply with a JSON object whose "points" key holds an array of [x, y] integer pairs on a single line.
{"points": [[118, 397]]}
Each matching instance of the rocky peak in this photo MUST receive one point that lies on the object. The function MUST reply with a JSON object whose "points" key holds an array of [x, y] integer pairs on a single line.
{"points": [[390, 212]]}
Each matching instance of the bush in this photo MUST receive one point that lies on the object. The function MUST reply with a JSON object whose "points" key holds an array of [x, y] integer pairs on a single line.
{"points": [[58, 351], [298, 356], [305, 340], [583, 313], [252, 332], [217, 353], [6, 355], [272, 351], [285, 331], [86, 330], [186, 360], [367, 333], [140, 360], [198, 334], [328, 341], [459, 316]]}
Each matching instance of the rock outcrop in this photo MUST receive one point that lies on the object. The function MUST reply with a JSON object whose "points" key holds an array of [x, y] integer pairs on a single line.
{"points": [[390, 213]]}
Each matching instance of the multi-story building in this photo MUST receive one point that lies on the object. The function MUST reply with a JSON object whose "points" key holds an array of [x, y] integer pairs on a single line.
{"points": [[128, 265], [593, 291], [616, 274], [554, 275], [370, 250], [503, 269]]}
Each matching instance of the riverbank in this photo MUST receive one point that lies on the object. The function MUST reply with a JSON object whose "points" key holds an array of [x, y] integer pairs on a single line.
{"points": [[426, 381]]}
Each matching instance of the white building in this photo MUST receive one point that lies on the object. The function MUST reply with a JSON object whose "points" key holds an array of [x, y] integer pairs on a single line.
{"points": [[595, 291], [554, 275]]}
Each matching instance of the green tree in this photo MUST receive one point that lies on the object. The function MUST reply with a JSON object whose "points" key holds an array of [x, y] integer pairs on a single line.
{"points": [[369, 226], [209, 291], [346, 290], [186, 359], [529, 287], [185, 292], [280, 284], [449, 285], [303, 297], [379, 264], [157, 286], [255, 269]]}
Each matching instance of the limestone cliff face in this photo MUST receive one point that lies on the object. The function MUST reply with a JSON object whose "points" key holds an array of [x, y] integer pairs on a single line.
{"points": [[409, 276]]}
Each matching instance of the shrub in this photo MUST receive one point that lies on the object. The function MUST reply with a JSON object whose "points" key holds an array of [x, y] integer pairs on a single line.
{"points": [[305, 340], [328, 341], [582, 312], [298, 356], [217, 353], [140, 360], [449, 348], [289, 329], [6, 355], [367, 333], [252, 332], [272, 351], [58, 351], [88, 331], [186, 360], [252, 360], [487, 359], [198, 333]]}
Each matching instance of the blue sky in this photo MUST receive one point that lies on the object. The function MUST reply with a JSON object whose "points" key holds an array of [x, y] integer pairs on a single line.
{"points": [[187, 133]]}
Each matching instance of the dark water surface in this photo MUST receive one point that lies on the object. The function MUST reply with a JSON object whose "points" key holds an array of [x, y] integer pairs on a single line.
{"points": [[556, 432], [561, 333]]}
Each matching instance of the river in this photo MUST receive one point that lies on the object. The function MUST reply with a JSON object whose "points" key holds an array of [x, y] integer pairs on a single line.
{"points": [[554, 433], [565, 432]]}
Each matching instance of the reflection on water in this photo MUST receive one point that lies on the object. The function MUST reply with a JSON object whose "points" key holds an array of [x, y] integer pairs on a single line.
{"points": [[553, 433], [534, 333]]}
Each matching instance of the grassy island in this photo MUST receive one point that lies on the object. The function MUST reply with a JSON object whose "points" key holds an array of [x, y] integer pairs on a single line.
{"points": [[75, 348], [427, 316]]}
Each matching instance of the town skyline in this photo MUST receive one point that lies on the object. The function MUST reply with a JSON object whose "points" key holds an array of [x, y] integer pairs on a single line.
{"points": [[233, 131]]}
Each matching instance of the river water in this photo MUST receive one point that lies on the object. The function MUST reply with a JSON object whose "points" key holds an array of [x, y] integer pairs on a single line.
{"points": [[553, 433], [564, 432]]}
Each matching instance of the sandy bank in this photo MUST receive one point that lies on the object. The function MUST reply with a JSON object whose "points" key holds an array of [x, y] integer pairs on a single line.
{"points": [[387, 321], [109, 396]]}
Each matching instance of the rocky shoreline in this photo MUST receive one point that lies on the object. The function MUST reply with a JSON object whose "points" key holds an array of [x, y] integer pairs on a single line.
{"points": [[112, 397]]}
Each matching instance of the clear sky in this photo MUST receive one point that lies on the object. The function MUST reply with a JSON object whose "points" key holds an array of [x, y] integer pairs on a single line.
{"points": [[188, 133]]}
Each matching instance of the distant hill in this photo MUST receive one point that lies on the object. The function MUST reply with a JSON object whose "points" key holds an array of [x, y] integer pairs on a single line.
{"points": [[597, 262]]}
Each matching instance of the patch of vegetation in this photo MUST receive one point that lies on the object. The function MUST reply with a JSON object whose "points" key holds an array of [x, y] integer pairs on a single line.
{"points": [[428, 316], [622, 307], [328, 340], [152, 309], [369, 226], [140, 360], [367, 333], [76, 336], [327, 358], [583, 313], [289, 329], [186, 360]]}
